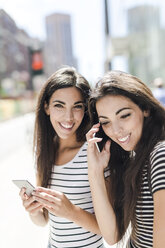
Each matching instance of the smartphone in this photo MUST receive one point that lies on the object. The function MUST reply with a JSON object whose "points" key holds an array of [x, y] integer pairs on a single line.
{"points": [[24, 184], [101, 134]]}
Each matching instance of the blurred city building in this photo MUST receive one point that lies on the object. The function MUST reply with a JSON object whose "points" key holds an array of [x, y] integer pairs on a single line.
{"points": [[159, 90], [143, 18], [19, 65], [26, 62], [58, 45], [14, 57], [143, 46], [15, 60]]}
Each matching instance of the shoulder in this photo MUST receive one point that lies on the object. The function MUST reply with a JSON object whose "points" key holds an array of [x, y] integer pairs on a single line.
{"points": [[157, 160], [158, 150]]}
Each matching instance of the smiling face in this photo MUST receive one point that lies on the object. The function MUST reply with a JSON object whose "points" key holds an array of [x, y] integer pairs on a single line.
{"points": [[121, 120], [66, 110]]}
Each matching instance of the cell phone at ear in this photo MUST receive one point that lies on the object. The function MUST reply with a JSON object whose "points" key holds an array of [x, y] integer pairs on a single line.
{"points": [[24, 184], [101, 134]]}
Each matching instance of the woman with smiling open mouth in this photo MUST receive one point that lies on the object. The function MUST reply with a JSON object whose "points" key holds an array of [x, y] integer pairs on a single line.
{"points": [[60, 146], [132, 123]]}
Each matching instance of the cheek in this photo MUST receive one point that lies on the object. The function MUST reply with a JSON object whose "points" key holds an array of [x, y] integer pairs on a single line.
{"points": [[107, 131], [54, 117], [139, 123], [79, 116], [55, 114], [53, 120]]}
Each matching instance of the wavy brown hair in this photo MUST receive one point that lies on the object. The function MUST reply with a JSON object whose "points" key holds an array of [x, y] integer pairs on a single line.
{"points": [[126, 172], [46, 141]]}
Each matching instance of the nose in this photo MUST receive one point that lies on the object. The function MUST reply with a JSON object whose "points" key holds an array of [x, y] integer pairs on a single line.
{"points": [[69, 115], [117, 128]]}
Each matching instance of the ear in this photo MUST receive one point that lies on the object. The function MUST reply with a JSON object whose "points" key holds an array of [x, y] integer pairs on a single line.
{"points": [[146, 113], [46, 108]]}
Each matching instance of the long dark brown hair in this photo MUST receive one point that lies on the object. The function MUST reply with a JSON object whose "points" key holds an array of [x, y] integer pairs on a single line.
{"points": [[126, 171], [46, 142]]}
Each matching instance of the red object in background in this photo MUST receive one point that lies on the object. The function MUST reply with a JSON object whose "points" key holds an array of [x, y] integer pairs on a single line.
{"points": [[37, 62]]}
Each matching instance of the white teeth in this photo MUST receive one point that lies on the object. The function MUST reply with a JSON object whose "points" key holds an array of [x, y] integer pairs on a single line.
{"points": [[124, 139], [66, 126]]}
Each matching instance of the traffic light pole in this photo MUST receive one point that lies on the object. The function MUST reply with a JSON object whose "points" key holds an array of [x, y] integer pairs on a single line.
{"points": [[107, 64]]}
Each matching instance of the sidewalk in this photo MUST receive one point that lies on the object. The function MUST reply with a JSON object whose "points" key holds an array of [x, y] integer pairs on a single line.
{"points": [[16, 228], [16, 162]]}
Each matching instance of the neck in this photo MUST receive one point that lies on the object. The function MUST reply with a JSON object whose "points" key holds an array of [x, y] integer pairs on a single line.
{"points": [[69, 143]]}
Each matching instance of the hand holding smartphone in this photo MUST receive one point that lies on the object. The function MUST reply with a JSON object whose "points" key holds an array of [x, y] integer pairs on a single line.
{"points": [[24, 184], [101, 134]]}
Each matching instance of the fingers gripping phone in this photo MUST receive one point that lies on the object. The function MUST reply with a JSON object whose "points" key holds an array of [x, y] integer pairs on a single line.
{"points": [[24, 184], [101, 134]]}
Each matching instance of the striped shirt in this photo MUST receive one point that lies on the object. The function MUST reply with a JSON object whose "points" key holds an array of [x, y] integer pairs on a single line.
{"points": [[145, 205], [72, 179]]}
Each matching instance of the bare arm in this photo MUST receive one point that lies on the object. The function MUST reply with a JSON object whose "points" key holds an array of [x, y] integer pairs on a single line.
{"points": [[39, 219], [97, 162], [58, 204], [103, 209], [85, 219], [35, 209], [159, 219]]}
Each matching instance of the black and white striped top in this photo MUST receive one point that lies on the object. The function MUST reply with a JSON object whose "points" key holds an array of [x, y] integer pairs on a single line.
{"points": [[72, 180], [145, 205]]}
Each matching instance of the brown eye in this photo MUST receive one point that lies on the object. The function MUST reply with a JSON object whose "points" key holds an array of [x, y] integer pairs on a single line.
{"points": [[58, 106], [125, 116], [104, 123], [79, 106]]}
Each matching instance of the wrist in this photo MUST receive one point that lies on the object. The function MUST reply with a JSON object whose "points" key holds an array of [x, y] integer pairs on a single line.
{"points": [[95, 175], [36, 213], [74, 213]]}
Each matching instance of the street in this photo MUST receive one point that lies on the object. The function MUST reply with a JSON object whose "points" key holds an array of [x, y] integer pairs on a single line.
{"points": [[16, 162]]}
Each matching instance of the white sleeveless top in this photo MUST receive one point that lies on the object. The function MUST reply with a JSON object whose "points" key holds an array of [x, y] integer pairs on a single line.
{"points": [[72, 179]]}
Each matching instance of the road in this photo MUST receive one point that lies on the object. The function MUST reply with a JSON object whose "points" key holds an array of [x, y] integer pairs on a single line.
{"points": [[16, 162]]}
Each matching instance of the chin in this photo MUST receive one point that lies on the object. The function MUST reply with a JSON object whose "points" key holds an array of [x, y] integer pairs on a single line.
{"points": [[127, 149], [66, 137]]}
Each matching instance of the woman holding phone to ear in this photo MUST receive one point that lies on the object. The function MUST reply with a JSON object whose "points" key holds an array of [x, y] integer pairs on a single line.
{"points": [[135, 122], [64, 197]]}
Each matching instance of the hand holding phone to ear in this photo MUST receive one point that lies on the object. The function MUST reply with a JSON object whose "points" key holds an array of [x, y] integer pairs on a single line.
{"points": [[100, 134], [97, 160]]}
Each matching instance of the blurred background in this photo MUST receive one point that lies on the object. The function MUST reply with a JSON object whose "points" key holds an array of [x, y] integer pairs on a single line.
{"points": [[36, 38]]}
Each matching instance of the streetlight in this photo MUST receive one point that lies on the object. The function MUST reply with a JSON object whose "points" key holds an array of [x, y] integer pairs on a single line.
{"points": [[108, 46]]}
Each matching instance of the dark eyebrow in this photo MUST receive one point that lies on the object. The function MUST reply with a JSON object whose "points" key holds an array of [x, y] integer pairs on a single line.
{"points": [[101, 116], [58, 101], [78, 102], [65, 103], [121, 110]]}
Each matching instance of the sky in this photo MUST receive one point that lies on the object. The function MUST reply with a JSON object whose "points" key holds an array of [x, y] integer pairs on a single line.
{"points": [[87, 18], [87, 27]]}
